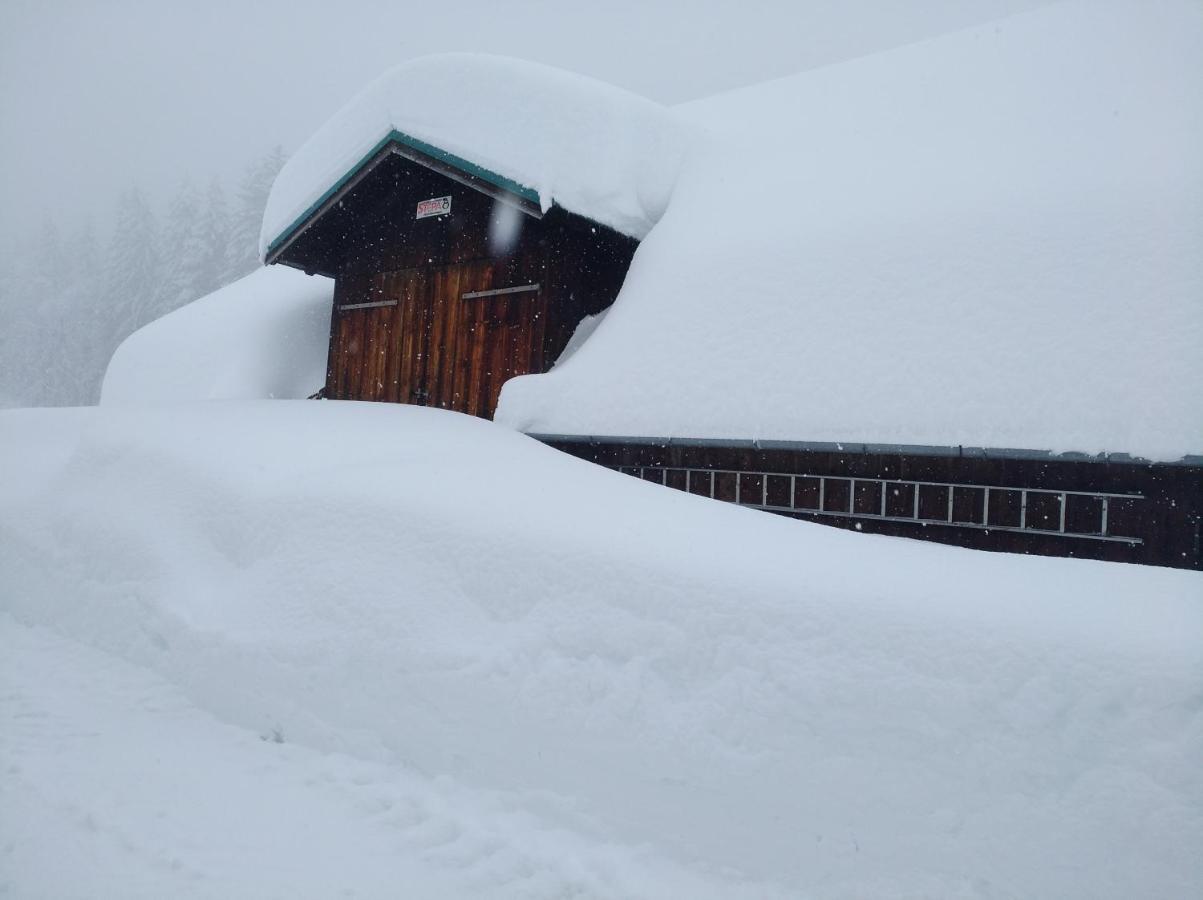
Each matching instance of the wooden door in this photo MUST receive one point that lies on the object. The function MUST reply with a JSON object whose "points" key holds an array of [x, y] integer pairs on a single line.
{"points": [[449, 336], [487, 327], [359, 342], [507, 333], [364, 331], [411, 343]]}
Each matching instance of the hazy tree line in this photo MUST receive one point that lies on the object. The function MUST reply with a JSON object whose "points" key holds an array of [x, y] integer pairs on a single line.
{"points": [[69, 297]]}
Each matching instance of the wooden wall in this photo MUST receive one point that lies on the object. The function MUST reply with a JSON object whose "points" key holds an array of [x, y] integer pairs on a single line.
{"points": [[907, 495], [433, 347], [411, 336]]}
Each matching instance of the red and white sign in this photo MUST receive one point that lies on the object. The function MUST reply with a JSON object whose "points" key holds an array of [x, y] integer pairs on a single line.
{"points": [[436, 206]]}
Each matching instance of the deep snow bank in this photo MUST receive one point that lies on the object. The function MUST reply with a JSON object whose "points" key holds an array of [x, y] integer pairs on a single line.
{"points": [[265, 335], [589, 147], [766, 703], [992, 238], [113, 768]]}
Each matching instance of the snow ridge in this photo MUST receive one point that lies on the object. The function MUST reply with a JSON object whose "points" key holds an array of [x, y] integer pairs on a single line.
{"points": [[658, 691], [589, 147]]}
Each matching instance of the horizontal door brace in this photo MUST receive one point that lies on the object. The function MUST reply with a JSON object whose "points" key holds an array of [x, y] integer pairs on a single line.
{"points": [[374, 305], [497, 292]]}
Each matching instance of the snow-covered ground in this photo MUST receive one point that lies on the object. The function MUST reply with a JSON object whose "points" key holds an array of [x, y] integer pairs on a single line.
{"points": [[316, 649], [115, 769]]}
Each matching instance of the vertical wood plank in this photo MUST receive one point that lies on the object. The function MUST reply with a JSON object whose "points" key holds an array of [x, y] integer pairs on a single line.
{"points": [[367, 387], [538, 334], [332, 357], [392, 373], [497, 351], [334, 366], [381, 351], [408, 339], [449, 305], [477, 276], [356, 356], [349, 350], [423, 287], [476, 378], [438, 317]]}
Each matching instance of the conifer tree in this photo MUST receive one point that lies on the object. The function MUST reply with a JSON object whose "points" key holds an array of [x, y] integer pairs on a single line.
{"points": [[18, 336], [133, 269], [56, 336], [65, 307], [214, 238], [183, 250], [51, 321], [91, 319], [256, 183]]}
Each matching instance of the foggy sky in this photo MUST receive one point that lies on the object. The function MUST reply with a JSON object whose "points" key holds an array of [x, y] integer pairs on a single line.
{"points": [[98, 95]]}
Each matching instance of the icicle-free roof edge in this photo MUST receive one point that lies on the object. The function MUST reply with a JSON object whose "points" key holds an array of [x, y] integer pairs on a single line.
{"points": [[537, 134], [396, 138]]}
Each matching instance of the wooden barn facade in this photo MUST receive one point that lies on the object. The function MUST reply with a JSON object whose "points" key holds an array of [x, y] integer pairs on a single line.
{"points": [[449, 278]]}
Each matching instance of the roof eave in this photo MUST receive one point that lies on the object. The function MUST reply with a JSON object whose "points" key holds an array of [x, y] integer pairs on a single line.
{"points": [[396, 142], [857, 447]]}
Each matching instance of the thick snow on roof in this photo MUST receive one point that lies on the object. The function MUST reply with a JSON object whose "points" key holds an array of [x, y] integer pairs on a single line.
{"points": [[485, 669], [265, 335], [992, 238], [589, 147]]}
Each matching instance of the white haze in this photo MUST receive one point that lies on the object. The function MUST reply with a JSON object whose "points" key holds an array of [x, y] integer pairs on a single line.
{"points": [[94, 97], [139, 139]]}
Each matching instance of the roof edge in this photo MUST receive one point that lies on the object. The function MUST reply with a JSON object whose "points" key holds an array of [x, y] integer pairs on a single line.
{"points": [[367, 161], [858, 447]]}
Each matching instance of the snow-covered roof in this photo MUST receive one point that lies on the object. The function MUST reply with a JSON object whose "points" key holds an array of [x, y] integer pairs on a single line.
{"points": [[555, 137], [992, 238]]}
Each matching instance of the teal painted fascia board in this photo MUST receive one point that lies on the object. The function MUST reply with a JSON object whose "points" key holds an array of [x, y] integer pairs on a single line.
{"points": [[400, 137], [468, 168]]}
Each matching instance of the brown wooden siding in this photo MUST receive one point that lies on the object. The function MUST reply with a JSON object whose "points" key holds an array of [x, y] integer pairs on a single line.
{"points": [[402, 331], [430, 345]]}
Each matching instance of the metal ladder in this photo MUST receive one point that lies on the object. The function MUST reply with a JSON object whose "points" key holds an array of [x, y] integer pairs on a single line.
{"points": [[689, 479]]}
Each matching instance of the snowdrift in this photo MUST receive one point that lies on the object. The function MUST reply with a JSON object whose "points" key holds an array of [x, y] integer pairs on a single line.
{"points": [[589, 147], [991, 239], [659, 695], [265, 335]]}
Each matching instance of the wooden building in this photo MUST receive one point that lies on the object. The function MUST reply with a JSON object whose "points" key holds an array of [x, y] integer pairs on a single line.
{"points": [[452, 279], [449, 278]]}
